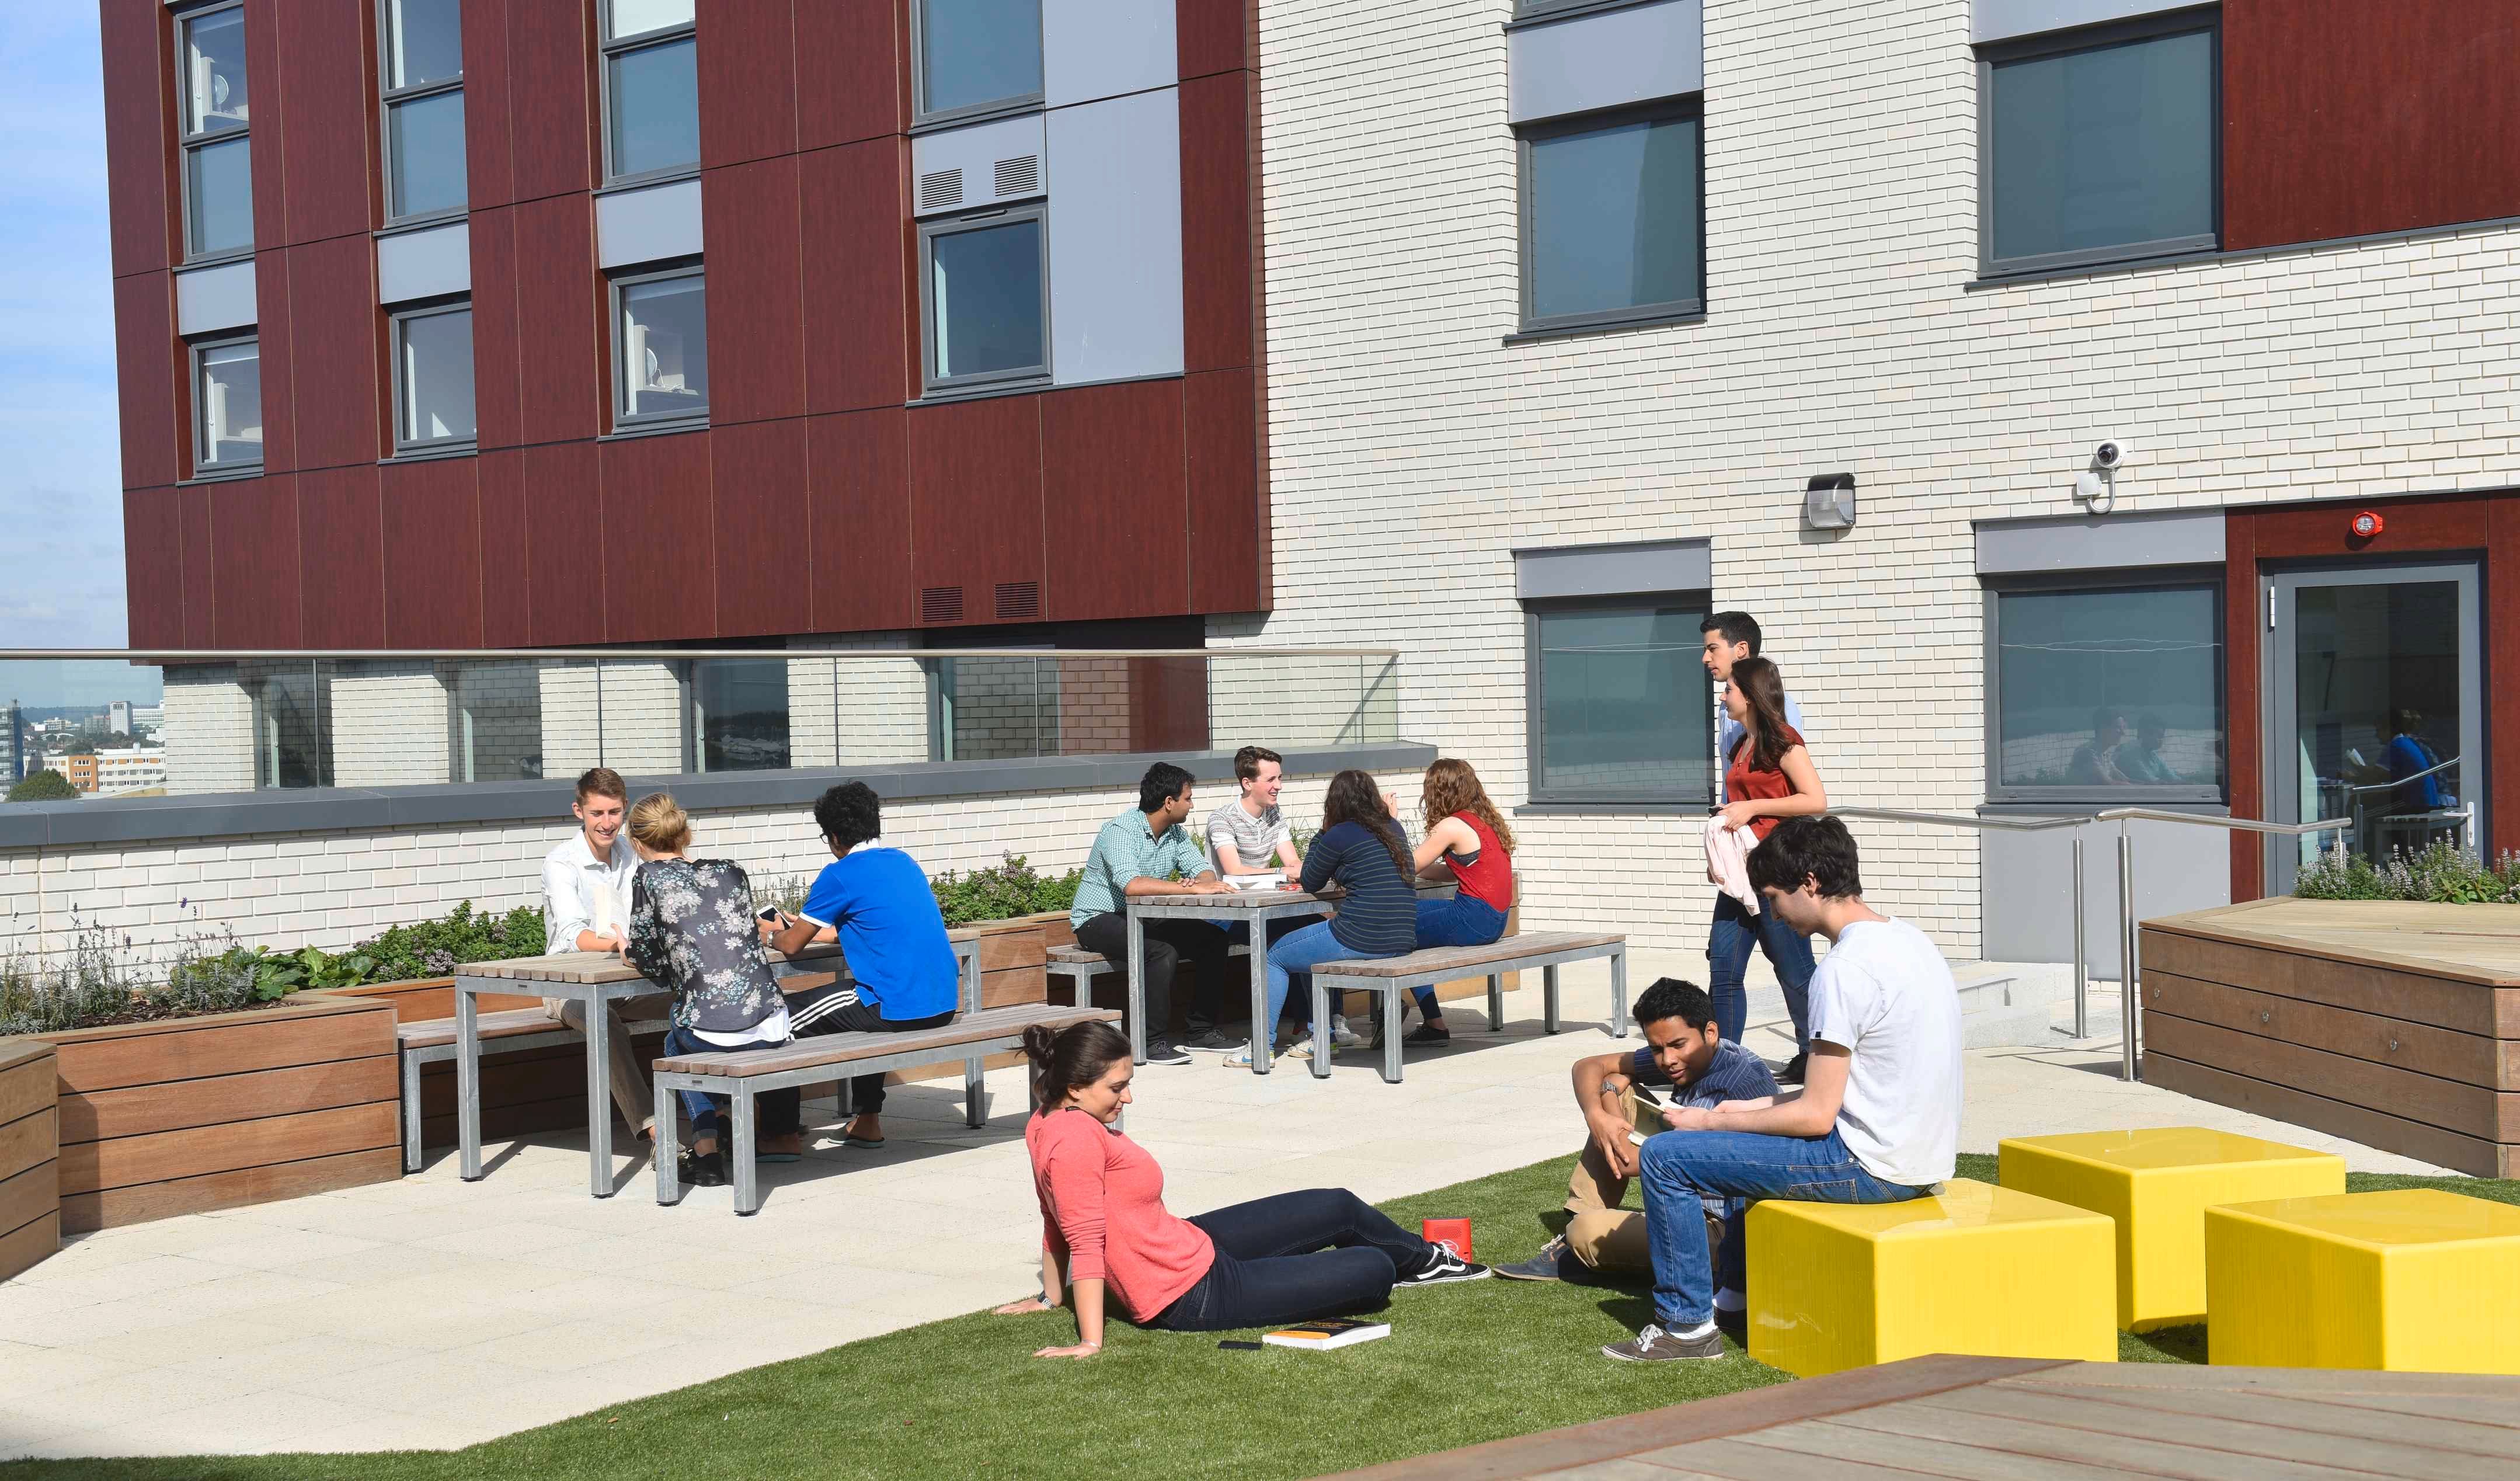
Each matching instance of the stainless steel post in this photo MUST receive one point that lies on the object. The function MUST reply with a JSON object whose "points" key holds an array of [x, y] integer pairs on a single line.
{"points": [[2127, 967], [2081, 958]]}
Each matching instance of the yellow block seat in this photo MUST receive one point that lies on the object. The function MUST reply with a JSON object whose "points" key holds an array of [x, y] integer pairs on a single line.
{"points": [[1977, 1270], [2157, 1185], [2413, 1279]]}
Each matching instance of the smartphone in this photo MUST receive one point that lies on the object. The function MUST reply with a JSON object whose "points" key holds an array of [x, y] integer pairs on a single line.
{"points": [[1646, 1095], [769, 912]]}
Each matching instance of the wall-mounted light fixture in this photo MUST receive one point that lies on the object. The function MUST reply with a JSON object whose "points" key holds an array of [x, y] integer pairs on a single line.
{"points": [[1828, 501]]}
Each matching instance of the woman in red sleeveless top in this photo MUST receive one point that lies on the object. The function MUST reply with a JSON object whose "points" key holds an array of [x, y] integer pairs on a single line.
{"points": [[1468, 842], [1768, 778]]}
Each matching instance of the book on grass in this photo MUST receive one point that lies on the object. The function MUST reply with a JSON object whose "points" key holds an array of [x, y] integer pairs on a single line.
{"points": [[1322, 1336]]}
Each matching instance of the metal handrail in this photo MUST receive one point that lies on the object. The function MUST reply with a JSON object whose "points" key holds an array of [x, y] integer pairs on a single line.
{"points": [[2128, 965], [647, 654], [2398, 781]]}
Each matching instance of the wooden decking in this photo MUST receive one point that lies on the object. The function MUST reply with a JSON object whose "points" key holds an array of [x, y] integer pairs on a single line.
{"points": [[2013, 1420]]}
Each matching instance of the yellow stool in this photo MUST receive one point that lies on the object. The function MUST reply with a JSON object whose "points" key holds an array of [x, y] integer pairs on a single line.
{"points": [[1979, 1270], [2156, 1185], [2414, 1279]]}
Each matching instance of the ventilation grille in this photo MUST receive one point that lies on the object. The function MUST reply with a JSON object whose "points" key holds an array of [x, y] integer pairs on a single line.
{"points": [[940, 604], [1019, 176], [1019, 600], [943, 190]]}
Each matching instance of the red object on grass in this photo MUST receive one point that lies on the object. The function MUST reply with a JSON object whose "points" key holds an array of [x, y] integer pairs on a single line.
{"points": [[2367, 523], [1451, 1233]]}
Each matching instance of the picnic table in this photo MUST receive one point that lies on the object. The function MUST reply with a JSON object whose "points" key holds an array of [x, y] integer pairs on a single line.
{"points": [[1253, 908], [598, 979]]}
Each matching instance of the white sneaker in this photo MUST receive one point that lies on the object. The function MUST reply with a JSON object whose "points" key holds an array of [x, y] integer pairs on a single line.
{"points": [[1240, 1058], [1345, 1037]]}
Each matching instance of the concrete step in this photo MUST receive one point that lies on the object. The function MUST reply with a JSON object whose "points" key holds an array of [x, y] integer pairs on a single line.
{"points": [[2010, 1002]]}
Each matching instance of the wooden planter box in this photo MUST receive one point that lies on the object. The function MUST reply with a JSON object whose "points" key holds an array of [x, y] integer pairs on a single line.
{"points": [[2397, 1025], [30, 1192], [187, 1115]]}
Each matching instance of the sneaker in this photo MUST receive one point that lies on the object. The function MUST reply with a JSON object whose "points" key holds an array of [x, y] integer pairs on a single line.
{"points": [[1345, 1037], [1240, 1058], [703, 1169], [1301, 1048], [1652, 1344], [1165, 1052], [1213, 1043], [1549, 1265], [1449, 1269], [1730, 1301], [1792, 1073]]}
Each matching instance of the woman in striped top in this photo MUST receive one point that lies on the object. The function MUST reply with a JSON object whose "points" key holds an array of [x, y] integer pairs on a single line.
{"points": [[1362, 850]]}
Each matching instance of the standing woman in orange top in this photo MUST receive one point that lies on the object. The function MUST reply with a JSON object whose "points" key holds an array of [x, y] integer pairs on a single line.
{"points": [[1769, 778]]}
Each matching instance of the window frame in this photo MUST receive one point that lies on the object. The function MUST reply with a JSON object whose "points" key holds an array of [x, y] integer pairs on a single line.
{"points": [[1535, 704], [396, 317], [932, 384], [2119, 579], [923, 117], [388, 98], [1533, 12], [1659, 110], [623, 419], [609, 48], [2207, 19], [189, 143], [193, 352]]}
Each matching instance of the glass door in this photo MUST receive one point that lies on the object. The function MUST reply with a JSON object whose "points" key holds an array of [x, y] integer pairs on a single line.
{"points": [[2374, 710]]}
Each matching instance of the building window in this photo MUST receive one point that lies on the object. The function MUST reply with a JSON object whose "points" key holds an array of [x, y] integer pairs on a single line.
{"points": [[988, 311], [218, 156], [433, 377], [661, 346], [2100, 146], [292, 726], [1614, 222], [2105, 693], [976, 56], [494, 721], [424, 97], [227, 405], [652, 99], [1619, 706], [740, 714]]}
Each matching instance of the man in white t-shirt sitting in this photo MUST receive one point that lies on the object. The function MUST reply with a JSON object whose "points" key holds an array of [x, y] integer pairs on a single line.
{"points": [[586, 908], [1878, 1119]]}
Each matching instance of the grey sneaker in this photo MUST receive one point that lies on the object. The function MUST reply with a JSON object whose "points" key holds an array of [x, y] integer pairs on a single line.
{"points": [[1654, 1345], [1549, 1265], [1163, 1052], [1213, 1043]]}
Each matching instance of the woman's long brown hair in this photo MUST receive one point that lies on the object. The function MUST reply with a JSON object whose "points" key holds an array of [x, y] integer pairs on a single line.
{"points": [[1354, 798], [1451, 787], [1763, 687]]}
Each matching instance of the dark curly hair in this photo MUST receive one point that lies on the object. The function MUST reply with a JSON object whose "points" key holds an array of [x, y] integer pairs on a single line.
{"points": [[849, 814]]}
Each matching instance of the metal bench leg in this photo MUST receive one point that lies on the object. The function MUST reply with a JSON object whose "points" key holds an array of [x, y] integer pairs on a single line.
{"points": [[1138, 987], [1390, 1034], [1321, 1030], [1264, 1036], [410, 1112], [468, 1085], [669, 1146], [1495, 1003], [976, 1094], [1619, 992], [747, 1193], [1549, 992], [598, 1099]]}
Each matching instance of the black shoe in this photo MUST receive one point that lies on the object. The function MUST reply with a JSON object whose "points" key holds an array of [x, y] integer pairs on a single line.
{"points": [[1433, 1031], [1165, 1052], [1213, 1043], [1449, 1269], [703, 1169], [1555, 1262], [1792, 1073]]}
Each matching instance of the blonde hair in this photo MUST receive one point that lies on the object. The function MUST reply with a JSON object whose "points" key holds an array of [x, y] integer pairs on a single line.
{"points": [[1451, 787], [658, 823]]}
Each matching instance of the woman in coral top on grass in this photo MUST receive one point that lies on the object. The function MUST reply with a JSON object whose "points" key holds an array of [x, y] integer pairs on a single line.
{"points": [[1324, 1252]]}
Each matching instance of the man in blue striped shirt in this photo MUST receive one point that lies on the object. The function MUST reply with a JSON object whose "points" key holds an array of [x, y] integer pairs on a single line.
{"points": [[1686, 1061]]}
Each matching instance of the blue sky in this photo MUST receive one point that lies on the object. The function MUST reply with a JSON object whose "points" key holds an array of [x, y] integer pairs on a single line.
{"points": [[60, 482]]}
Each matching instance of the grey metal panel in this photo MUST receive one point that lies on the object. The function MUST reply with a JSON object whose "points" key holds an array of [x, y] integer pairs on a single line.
{"points": [[648, 225], [1093, 48], [974, 151], [1610, 571], [1115, 239], [1606, 59], [2026, 885], [2099, 542], [423, 264], [209, 298], [2004, 20]]}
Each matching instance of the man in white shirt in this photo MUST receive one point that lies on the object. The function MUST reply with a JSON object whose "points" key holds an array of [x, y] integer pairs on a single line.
{"points": [[586, 908], [1877, 1121], [1730, 638]]}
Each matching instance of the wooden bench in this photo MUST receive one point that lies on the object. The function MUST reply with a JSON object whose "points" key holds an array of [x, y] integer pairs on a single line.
{"points": [[1081, 966], [743, 1074], [1392, 977], [508, 1031]]}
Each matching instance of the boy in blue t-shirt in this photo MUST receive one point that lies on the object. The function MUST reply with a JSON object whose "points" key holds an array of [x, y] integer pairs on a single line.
{"points": [[877, 903]]}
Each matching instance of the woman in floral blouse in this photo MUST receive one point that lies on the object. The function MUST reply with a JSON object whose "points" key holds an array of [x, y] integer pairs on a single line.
{"points": [[692, 931]]}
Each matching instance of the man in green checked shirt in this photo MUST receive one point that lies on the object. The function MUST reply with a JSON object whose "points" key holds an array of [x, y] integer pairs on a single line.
{"points": [[1138, 853]]}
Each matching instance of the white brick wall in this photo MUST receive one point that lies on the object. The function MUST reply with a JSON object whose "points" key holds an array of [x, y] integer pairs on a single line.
{"points": [[1412, 450], [389, 725], [210, 731]]}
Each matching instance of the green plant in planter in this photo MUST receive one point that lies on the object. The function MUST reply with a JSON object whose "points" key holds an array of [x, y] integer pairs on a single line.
{"points": [[1002, 891], [786, 891], [2440, 873], [435, 948]]}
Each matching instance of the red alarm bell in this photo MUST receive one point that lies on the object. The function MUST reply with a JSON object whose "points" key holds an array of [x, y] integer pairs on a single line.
{"points": [[2366, 524]]}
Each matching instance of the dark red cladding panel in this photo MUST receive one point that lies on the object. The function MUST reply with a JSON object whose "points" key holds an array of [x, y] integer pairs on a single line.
{"points": [[1229, 514], [153, 567], [563, 505], [860, 344], [264, 37], [327, 119], [1216, 35], [755, 320], [254, 564], [149, 379], [561, 382], [763, 529], [854, 56], [507, 571], [193, 521], [551, 118], [334, 329], [137, 42], [657, 545], [341, 525], [748, 79], [976, 502], [431, 523], [1112, 478], [2343, 117], [278, 362], [496, 393], [489, 159], [1218, 253], [859, 470]]}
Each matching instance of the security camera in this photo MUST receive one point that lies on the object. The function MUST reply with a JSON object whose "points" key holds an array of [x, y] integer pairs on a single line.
{"points": [[2111, 453]]}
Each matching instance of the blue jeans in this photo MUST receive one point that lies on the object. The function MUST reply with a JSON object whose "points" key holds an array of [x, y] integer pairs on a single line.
{"points": [[1272, 1265], [1295, 955], [1728, 956], [1459, 921], [781, 1110], [1238, 933], [1679, 1170]]}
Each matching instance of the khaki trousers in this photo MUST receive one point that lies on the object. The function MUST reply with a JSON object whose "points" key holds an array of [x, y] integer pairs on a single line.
{"points": [[633, 1091], [1602, 1235]]}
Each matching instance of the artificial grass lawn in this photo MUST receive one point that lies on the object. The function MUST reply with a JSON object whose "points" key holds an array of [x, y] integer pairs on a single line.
{"points": [[966, 1398]]}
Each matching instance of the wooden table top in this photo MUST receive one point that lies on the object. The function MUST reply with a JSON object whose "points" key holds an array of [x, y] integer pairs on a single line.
{"points": [[2009, 1417], [1256, 899], [595, 968], [2468, 943]]}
